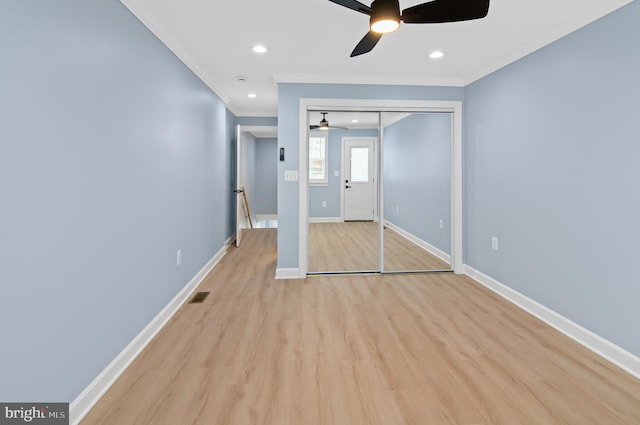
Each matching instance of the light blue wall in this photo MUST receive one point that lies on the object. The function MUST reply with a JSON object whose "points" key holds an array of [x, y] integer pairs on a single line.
{"points": [[331, 192], [551, 169], [417, 177], [289, 96], [266, 176], [113, 156]]}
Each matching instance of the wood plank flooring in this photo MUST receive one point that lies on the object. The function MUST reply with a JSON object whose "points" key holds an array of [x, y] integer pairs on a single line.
{"points": [[375, 350], [353, 246]]}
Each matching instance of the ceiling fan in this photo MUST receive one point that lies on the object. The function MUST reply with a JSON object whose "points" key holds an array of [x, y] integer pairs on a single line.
{"points": [[324, 124], [385, 16]]}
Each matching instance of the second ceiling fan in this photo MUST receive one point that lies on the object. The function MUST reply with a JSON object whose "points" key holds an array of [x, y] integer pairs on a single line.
{"points": [[324, 124], [385, 16]]}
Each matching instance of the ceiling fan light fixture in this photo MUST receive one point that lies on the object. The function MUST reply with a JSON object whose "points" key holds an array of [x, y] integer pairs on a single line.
{"points": [[384, 26], [324, 124], [385, 16]]}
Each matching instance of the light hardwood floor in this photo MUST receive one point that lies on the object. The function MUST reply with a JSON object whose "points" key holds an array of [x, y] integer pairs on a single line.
{"points": [[383, 350], [353, 246]]}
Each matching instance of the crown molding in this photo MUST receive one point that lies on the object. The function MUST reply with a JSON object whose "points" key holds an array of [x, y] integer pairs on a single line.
{"points": [[588, 16], [145, 16], [251, 112], [393, 80]]}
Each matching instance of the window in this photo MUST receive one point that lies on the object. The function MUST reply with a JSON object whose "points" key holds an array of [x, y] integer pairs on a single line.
{"points": [[318, 149], [359, 164]]}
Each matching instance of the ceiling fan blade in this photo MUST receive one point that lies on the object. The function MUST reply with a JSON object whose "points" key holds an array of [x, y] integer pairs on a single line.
{"points": [[367, 43], [354, 5], [439, 11], [331, 127]]}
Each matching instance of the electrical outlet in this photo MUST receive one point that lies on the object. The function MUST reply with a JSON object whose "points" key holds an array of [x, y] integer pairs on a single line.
{"points": [[324, 204], [441, 224], [336, 173], [494, 243], [179, 257]]}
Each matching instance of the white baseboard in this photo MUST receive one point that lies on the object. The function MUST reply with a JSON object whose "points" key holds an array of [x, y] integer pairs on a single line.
{"points": [[96, 389], [290, 274], [604, 348], [417, 241], [326, 219]]}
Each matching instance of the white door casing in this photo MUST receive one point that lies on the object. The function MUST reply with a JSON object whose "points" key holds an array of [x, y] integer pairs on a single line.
{"points": [[242, 173]]}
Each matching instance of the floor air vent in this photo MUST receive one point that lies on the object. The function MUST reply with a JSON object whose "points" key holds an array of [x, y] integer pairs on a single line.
{"points": [[199, 297]]}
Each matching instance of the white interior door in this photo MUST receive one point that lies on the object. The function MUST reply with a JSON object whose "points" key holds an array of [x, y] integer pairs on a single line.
{"points": [[359, 179]]}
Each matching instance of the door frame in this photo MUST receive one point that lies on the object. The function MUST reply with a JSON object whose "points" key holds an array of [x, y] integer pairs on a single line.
{"points": [[240, 130], [343, 140], [380, 105]]}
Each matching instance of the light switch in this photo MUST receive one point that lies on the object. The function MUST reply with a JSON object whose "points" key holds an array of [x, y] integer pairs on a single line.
{"points": [[291, 175]]}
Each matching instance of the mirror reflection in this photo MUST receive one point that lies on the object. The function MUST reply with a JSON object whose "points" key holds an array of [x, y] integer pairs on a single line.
{"points": [[417, 191], [343, 191]]}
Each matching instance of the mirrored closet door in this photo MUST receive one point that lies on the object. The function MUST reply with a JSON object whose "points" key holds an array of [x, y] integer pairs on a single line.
{"points": [[379, 192], [417, 188], [343, 192]]}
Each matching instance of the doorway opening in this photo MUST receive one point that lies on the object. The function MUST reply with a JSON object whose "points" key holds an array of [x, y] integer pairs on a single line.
{"points": [[255, 178]]}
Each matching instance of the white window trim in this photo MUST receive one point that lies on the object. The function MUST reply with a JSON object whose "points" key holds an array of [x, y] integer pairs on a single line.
{"points": [[325, 136]]}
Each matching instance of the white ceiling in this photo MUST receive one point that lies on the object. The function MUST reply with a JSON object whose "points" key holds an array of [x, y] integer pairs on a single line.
{"points": [[310, 41]]}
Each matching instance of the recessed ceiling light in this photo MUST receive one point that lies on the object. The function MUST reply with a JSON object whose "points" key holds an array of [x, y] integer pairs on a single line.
{"points": [[242, 78], [252, 95], [436, 54], [354, 120], [259, 48]]}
